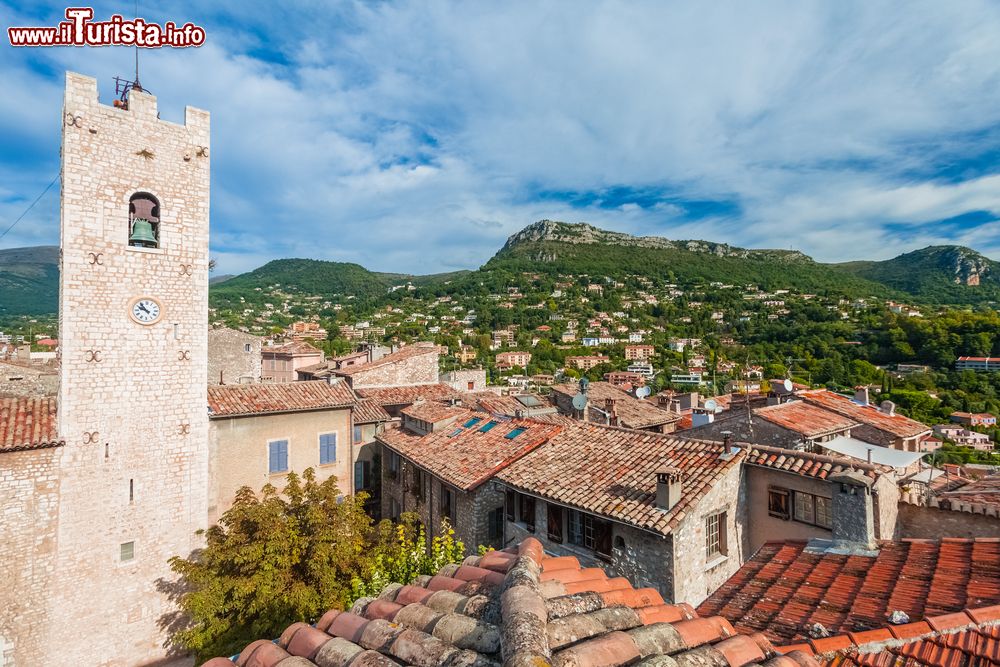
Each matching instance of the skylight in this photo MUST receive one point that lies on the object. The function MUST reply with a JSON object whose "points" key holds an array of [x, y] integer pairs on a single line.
{"points": [[487, 426], [454, 433], [515, 432], [472, 422]]}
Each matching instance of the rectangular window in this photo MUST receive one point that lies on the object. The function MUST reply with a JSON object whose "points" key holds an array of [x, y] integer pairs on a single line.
{"points": [[394, 509], [472, 422], [590, 532], [777, 503], [495, 526], [127, 551], [526, 513], [357, 433], [448, 504], [362, 475], [327, 448], [511, 498], [277, 460], [554, 522], [715, 535], [392, 466], [487, 426], [514, 433], [813, 510]]}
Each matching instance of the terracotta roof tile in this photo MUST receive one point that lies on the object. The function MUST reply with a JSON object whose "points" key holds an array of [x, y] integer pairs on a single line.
{"points": [[896, 425], [294, 348], [508, 619], [237, 400], [404, 395], [808, 464], [611, 472], [802, 417], [367, 411], [432, 411], [28, 423], [786, 588], [465, 455]]}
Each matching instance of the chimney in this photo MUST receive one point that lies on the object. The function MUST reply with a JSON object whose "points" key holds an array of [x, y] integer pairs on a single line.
{"points": [[701, 416], [609, 408], [853, 512], [668, 487], [861, 395], [727, 439], [889, 408]]}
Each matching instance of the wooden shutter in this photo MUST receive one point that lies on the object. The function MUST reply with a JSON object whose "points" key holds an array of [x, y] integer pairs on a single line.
{"points": [[602, 537], [555, 522]]}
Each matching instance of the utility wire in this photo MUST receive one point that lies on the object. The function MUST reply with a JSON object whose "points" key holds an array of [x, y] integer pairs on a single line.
{"points": [[37, 199]]}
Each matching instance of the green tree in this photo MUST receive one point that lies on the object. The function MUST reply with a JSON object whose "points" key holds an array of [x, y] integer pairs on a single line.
{"points": [[278, 558]]}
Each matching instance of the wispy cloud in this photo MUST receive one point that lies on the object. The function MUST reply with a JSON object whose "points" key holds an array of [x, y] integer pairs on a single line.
{"points": [[415, 136]]}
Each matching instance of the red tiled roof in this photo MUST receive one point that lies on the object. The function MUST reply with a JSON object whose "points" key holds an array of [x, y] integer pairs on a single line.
{"points": [[235, 400], [810, 420], [611, 472], [808, 464], [897, 424], [632, 412], [408, 394], [983, 492], [432, 411], [553, 612], [970, 638], [466, 456], [786, 588], [367, 411], [408, 352], [28, 423]]}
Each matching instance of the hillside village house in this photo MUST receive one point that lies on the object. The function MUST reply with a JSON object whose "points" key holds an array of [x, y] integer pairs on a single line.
{"points": [[280, 362], [508, 360], [964, 437], [639, 352], [972, 419], [259, 433], [587, 362], [880, 425], [414, 364], [791, 425], [980, 364]]}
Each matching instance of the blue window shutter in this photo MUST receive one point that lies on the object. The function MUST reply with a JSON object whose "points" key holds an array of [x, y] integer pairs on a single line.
{"points": [[284, 455], [277, 460], [359, 475], [327, 448]]}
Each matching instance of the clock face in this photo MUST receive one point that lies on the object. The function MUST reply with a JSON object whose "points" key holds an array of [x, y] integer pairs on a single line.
{"points": [[145, 311]]}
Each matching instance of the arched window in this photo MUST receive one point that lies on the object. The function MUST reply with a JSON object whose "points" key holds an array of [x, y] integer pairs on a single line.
{"points": [[143, 220]]}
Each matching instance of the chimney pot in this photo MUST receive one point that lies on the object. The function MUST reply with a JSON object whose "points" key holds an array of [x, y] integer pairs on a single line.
{"points": [[668, 487], [861, 395]]}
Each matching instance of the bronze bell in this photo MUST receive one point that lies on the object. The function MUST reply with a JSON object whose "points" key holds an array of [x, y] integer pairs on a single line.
{"points": [[142, 234]]}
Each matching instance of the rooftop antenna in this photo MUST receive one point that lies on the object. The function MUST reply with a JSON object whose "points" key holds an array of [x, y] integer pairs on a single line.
{"points": [[124, 87]]}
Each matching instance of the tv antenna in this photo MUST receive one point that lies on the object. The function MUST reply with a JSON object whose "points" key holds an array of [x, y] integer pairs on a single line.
{"points": [[124, 87]]}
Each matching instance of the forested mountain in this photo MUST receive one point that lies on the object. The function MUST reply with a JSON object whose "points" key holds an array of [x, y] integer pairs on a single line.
{"points": [[29, 281]]}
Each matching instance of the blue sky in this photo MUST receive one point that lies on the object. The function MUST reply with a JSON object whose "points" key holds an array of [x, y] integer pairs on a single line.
{"points": [[416, 136]]}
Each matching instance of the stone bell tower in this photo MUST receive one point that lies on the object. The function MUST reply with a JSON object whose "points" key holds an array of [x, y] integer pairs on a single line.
{"points": [[133, 310]]}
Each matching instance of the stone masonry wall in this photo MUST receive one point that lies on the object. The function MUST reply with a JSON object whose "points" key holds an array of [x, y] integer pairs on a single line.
{"points": [[132, 397], [29, 496], [29, 379], [229, 362], [419, 369]]}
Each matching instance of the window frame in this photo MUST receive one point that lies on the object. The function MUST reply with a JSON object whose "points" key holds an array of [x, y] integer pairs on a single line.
{"points": [[716, 542], [774, 492], [392, 465], [357, 433], [447, 504], [321, 446], [276, 441], [812, 516]]}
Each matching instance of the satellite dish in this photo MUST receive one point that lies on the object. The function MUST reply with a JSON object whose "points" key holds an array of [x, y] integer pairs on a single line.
{"points": [[642, 392], [787, 385], [712, 405], [580, 401]]}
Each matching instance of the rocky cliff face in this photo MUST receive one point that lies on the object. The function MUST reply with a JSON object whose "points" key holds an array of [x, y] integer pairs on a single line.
{"points": [[968, 267]]}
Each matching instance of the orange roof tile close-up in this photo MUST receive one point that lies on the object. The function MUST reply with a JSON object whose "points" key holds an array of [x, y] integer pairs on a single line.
{"points": [[403, 395], [895, 424], [787, 588], [28, 423], [514, 607], [809, 420]]}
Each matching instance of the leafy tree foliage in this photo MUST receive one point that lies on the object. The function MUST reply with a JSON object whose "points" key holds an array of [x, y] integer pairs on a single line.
{"points": [[277, 558]]}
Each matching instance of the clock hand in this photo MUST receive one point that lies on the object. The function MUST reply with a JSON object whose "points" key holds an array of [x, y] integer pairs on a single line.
{"points": [[143, 309]]}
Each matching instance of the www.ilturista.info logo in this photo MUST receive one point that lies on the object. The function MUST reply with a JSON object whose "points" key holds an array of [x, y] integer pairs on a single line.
{"points": [[80, 30]]}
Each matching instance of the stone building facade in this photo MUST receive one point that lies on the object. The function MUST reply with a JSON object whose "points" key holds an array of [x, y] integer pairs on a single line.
{"points": [[415, 364], [132, 476], [234, 357]]}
